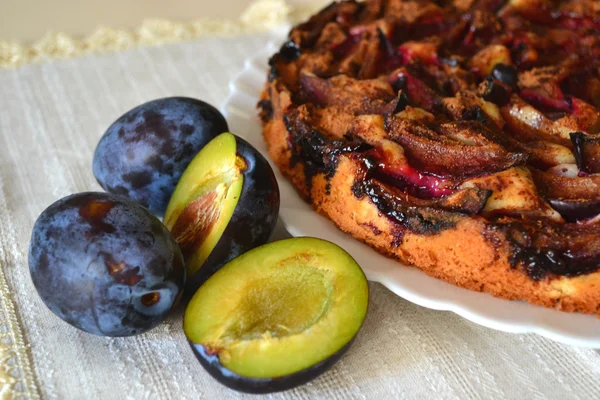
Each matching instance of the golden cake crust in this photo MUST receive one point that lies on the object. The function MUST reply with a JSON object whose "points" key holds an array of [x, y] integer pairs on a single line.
{"points": [[465, 256], [473, 250]]}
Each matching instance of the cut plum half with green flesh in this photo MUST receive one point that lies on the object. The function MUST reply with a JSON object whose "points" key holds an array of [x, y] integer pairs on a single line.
{"points": [[226, 202], [277, 316]]}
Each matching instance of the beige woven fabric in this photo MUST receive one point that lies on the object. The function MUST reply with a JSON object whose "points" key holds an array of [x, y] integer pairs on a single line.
{"points": [[52, 115]]}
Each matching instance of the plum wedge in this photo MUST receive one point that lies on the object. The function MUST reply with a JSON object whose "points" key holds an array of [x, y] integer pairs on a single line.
{"points": [[226, 202]]}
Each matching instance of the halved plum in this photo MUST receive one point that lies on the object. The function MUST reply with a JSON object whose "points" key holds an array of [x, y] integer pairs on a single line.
{"points": [[226, 202], [277, 316]]}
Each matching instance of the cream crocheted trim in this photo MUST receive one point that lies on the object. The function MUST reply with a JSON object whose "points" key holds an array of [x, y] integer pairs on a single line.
{"points": [[16, 377], [261, 15]]}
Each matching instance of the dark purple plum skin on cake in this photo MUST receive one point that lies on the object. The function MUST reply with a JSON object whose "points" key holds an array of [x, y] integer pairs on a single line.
{"points": [[105, 265], [143, 153]]}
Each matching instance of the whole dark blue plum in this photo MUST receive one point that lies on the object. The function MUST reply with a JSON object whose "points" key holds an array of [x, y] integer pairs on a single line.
{"points": [[105, 265], [143, 154]]}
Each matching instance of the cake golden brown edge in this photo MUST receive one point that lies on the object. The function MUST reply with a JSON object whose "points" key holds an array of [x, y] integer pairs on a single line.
{"points": [[467, 255]]}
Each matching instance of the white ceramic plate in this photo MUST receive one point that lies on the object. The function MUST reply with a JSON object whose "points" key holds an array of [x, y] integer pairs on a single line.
{"points": [[407, 282]]}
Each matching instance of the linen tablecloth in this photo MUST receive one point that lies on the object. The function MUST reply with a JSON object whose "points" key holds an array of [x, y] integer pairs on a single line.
{"points": [[51, 117]]}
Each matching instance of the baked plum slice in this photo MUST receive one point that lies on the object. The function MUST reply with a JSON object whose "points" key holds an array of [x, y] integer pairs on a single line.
{"points": [[587, 152], [444, 155], [575, 198], [277, 316], [143, 153], [574, 210], [226, 203], [105, 264]]}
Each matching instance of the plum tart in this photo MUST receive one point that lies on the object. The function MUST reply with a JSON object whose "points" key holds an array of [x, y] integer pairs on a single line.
{"points": [[461, 137]]}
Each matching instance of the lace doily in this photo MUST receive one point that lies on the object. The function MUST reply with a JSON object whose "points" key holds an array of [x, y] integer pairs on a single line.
{"points": [[16, 377], [261, 15]]}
